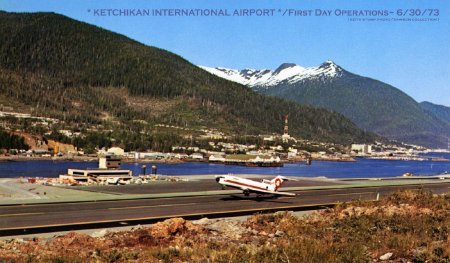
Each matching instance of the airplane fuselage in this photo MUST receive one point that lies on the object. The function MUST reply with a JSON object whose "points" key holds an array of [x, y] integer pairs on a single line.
{"points": [[249, 186], [246, 184]]}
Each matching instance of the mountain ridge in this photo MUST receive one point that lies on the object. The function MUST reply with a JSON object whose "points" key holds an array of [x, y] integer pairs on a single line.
{"points": [[80, 73], [286, 72], [371, 104], [439, 111]]}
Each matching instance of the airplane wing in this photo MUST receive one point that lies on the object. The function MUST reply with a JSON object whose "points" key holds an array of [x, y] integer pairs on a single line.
{"points": [[283, 193]]}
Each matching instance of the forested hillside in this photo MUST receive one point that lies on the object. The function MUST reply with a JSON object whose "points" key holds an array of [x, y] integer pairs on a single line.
{"points": [[439, 111], [8, 141], [80, 73], [371, 104]]}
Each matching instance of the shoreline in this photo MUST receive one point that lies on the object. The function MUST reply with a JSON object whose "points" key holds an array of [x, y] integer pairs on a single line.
{"points": [[16, 158], [82, 159]]}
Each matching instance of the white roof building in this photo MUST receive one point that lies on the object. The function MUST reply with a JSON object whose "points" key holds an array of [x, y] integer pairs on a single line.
{"points": [[116, 151]]}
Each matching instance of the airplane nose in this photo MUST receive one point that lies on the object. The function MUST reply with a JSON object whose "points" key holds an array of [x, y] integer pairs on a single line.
{"points": [[218, 178]]}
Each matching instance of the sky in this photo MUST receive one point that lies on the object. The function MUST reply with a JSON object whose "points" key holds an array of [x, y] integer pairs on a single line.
{"points": [[410, 55]]}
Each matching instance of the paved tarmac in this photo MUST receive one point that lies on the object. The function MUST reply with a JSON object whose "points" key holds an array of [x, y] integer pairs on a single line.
{"points": [[210, 184], [32, 216]]}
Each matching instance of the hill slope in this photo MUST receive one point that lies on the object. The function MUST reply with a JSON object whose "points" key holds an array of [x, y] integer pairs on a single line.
{"points": [[439, 111], [80, 73], [371, 104]]}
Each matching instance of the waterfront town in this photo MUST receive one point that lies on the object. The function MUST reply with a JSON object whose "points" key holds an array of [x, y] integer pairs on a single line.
{"points": [[270, 150], [215, 146]]}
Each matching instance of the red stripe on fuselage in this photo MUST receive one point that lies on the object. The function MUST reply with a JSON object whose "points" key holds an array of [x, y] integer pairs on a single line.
{"points": [[250, 186]]}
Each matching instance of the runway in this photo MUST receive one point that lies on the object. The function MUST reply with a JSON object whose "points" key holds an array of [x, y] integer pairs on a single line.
{"points": [[23, 219], [179, 187]]}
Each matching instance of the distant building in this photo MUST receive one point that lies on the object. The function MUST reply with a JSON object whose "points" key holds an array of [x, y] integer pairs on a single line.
{"points": [[15, 114], [214, 136], [99, 172], [116, 151], [195, 149], [40, 151], [362, 148], [269, 138], [180, 155], [247, 160], [67, 133], [277, 148], [109, 162], [292, 154], [216, 158], [154, 155], [196, 156], [293, 150]]}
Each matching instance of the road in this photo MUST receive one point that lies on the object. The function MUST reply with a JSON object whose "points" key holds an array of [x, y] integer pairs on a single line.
{"points": [[20, 219]]}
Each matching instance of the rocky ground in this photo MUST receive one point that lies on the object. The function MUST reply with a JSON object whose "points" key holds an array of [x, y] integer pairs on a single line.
{"points": [[404, 227]]}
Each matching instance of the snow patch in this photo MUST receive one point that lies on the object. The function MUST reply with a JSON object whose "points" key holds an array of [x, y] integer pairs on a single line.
{"points": [[286, 72]]}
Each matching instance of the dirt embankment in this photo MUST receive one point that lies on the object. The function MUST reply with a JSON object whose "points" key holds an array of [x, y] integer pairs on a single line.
{"points": [[40, 143]]}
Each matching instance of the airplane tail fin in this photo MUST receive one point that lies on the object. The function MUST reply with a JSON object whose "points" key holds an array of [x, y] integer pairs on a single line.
{"points": [[278, 181]]}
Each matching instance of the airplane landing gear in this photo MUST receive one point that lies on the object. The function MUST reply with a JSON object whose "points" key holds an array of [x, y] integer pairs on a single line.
{"points": [[246, 192]]}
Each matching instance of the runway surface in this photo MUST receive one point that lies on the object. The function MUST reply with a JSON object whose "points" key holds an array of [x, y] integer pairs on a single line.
{"points": [[179, 187], [49, 217]]}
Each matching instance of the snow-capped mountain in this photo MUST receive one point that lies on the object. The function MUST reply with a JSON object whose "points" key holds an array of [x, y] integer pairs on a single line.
{"points": [[369, 103], [287, 73]]}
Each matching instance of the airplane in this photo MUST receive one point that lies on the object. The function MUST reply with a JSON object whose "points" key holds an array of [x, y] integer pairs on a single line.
{"points": [[250, 186]]}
